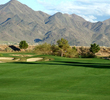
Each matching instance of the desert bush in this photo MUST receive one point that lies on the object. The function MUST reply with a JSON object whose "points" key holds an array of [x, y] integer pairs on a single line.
{"points": [[74, 48], [1, 49], [8, 49], [68, 52], [62, 49], [85, 53], [88, 55], [43, 49], [83, 50], [71, 53], [55, 50]]}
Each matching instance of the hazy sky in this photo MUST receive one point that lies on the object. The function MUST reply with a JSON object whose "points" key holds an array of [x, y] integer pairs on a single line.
{"points": [[91, 10]]}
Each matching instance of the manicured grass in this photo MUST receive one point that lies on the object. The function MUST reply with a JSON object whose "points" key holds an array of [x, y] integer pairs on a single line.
{"points": [[59, 79]]}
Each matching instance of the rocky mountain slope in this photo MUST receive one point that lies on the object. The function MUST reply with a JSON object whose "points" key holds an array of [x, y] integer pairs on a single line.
{"points": [[19, 22]]}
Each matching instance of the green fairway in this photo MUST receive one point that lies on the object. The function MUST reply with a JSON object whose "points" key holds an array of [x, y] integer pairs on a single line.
{"points": [[59, 79]]}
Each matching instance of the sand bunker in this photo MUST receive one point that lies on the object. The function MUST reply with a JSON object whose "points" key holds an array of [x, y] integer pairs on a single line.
{"points": [[6, 58], [33, 59], [21, 55], [10, 58]]}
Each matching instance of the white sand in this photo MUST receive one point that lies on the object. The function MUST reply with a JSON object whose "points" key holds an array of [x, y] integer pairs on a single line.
{"points": [[33, 59]]}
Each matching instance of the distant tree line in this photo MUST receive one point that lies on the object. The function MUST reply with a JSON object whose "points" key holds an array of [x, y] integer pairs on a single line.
{"points": [[63, 49]]}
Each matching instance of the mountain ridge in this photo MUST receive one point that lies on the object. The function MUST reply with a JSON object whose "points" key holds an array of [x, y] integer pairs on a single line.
{"points": [[19, 22]]}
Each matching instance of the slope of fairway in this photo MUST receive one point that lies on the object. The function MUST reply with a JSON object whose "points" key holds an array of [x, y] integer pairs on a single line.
{"points": [[60, 79]]}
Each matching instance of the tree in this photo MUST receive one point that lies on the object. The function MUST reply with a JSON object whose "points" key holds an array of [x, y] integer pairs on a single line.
{"points": [[63, 45], [23, 45], [55, 49], [94, 48]]}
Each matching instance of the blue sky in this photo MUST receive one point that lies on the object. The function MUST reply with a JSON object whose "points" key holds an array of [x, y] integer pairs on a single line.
{"points": [[91, 10]]}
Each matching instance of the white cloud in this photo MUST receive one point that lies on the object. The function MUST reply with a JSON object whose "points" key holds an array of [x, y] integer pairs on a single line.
{"points": [[90, 18], [89, 9]]}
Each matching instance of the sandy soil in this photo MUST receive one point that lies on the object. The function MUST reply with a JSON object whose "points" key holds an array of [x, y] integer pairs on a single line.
{"points": [[33, 59]]}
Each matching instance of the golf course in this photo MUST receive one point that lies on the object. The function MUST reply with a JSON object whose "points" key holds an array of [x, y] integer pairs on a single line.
{"points": [[54, 78]]}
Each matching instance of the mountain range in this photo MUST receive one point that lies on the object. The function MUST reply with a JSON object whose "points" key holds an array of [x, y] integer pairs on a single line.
{"points": [[19, 22]]}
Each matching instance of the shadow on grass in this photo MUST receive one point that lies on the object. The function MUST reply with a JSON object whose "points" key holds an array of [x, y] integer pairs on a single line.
{"points": [[89, 65], [68, 63]]}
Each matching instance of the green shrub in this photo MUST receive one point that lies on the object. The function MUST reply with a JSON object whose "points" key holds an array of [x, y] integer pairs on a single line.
{"points": [[85, 53], [55, 50], [88, 55], [8, 49], [74, 48], [43, 49], [94, 48], [23, 45], [71, 53]]}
